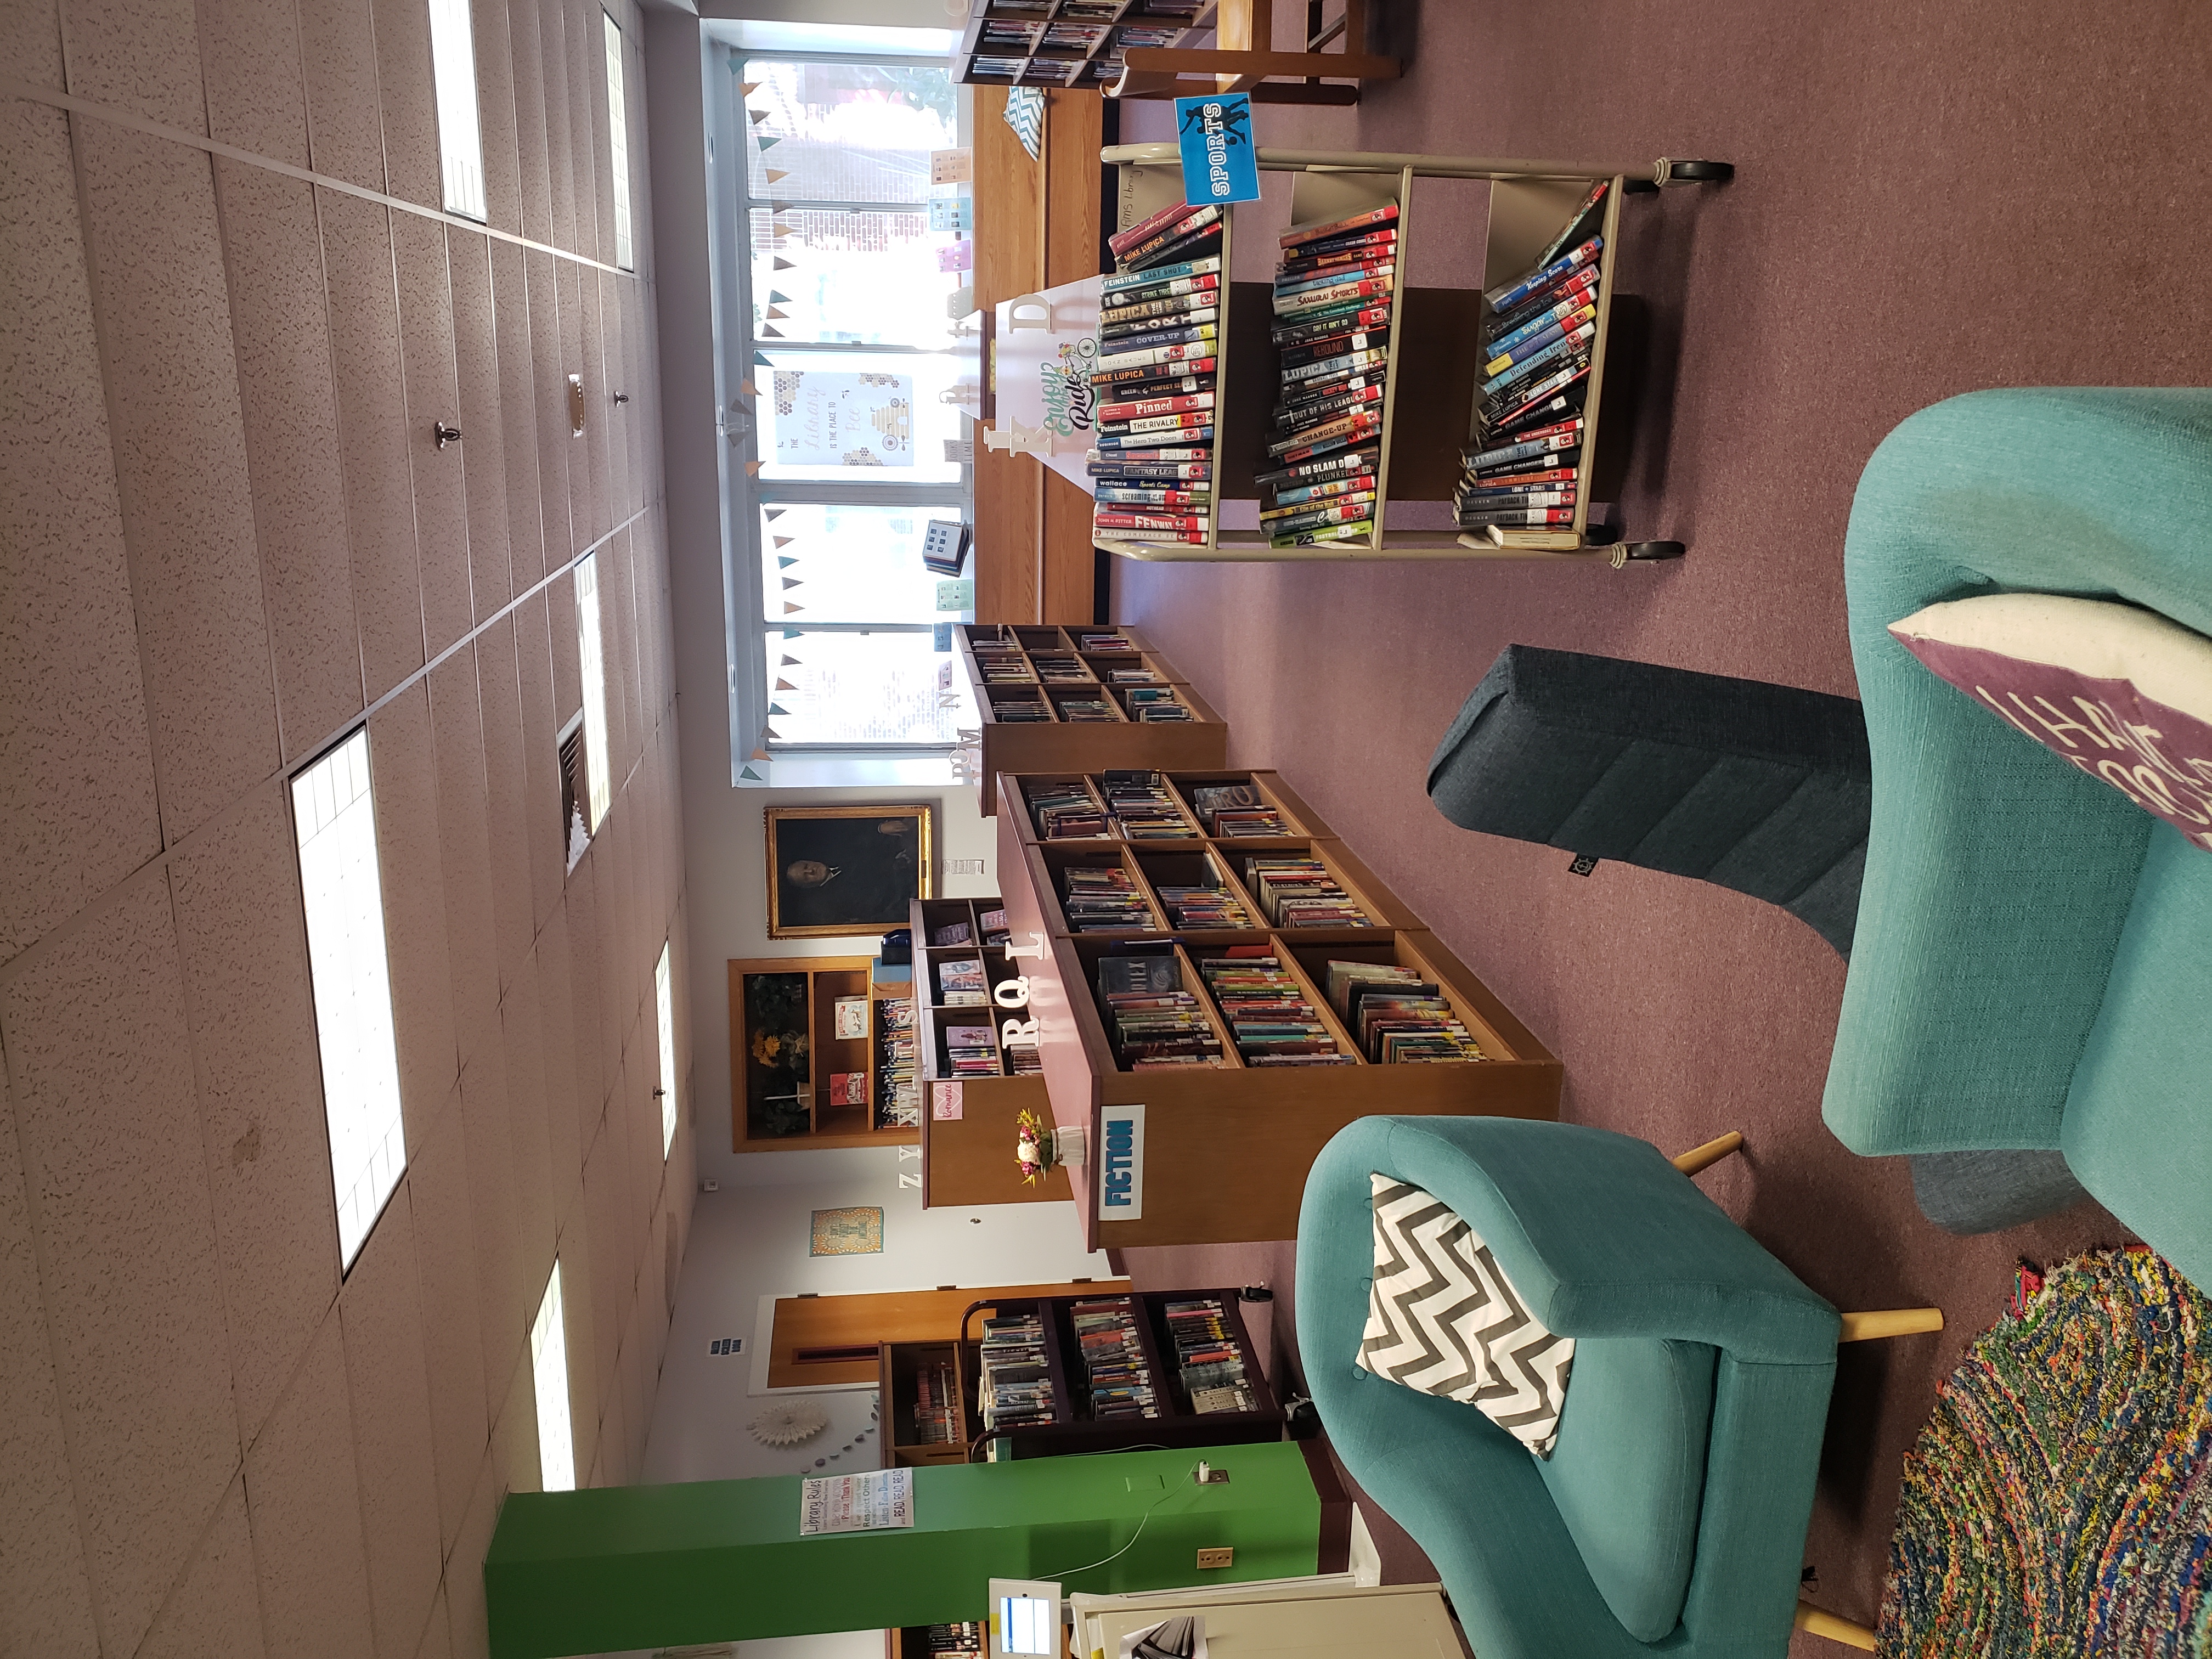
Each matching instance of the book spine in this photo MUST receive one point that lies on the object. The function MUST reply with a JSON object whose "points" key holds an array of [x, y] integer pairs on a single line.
{"points": [[1550, 477], [1148, 327], [1148, 521], [1190, 370], [1124, 349], [1300, 235], [1318, 328], [1122, 240], [1342, 248], [1521, 350], [1557, 496], [1173, 305], [1155, 240], [1164, 472], [1185, 455], [1352, 362], [1325, 467], [1504, 412], [1351, 484], [1327, 532], [1580, 289], [1505, 298], [1568, 434], [1360, 271], [1129, 279], [1134, 442], [1535, 363], [1291, 304], [1515, 516], [1137, 409], [1343, 429], [1358, 395], [1541, 406], [1335, 345], [1173, 288], [1154, 355], [1188, 538], [1596, 195], [1126, 495], [1189, 422], [1344, 511], [1191, 237]]}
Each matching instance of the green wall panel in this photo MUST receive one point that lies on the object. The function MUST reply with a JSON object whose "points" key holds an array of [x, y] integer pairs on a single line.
{"points": [[623, 1567]]}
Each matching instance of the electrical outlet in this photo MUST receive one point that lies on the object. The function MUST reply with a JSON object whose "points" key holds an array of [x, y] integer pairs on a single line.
{"points": [[1217, 1557]]}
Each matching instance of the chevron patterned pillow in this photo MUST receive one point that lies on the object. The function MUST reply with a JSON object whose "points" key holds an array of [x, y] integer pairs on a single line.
{"points": [[1443, 1319]]}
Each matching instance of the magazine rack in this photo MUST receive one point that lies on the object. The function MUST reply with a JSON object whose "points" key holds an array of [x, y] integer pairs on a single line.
{"points": [[1434, 355]]}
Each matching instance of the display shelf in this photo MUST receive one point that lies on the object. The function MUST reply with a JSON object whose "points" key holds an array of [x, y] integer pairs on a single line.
{"points": [[1067, 43], [1224, 1148], [785, 1054], [1024, 718], [921, 1389]]}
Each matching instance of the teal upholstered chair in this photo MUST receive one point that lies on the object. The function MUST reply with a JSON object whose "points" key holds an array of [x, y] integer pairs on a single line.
{"points": [[2032, 963], [1670, 1517]]}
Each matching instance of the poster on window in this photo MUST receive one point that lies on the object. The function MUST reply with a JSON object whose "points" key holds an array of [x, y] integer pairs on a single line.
{"points": [[824, 419]]}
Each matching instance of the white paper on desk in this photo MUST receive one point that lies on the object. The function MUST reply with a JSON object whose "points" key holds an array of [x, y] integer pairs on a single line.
{"points": [[856, 1503], [1197, 1630]]}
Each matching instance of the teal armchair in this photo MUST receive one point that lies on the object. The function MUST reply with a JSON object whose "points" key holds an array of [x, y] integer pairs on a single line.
{"points": [[2032, 961], [1670, 1518]]}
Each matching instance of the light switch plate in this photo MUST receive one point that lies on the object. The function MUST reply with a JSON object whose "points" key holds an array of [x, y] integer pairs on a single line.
{"points": [[1210, 1560]]}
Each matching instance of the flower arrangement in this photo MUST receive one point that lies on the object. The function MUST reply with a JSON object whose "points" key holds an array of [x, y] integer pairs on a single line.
{"points": [[1033, 1147]]}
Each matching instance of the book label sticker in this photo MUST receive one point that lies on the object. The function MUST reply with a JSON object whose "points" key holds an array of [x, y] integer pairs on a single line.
{"points": [[1218, 162], [945, 1105], [1121, 1163], [856, 1503]]}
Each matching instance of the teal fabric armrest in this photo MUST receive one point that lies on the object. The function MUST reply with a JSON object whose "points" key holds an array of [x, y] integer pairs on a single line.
{"points": [[1998, 878], [1667, 1262]]}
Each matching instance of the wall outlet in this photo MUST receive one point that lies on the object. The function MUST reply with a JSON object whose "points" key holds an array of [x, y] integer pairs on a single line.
{"points": [[1209, 1560]]}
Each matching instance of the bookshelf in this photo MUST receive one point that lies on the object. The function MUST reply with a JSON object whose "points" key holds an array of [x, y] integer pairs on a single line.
{"points": [[1063, 697], [969, 1159], [1222, 1151], [1067, 43], [786, 1052], [1434, 349]]}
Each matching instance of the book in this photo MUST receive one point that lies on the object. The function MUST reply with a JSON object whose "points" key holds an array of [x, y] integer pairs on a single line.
{"points": [[1327, 532], [1122, 281], [1504, 298], [1328, 467], [1563, 434], [1335, 277], [1177, 369], [1165, 289], [1339, 429], [1171, 352], [1140, 442], [1122, 240], [1117, 520], [1510, 354], [1127, 495], [1313, 300], [1349, 483], [1289, 332], [849, 1017], [1121, 318], [1357, 434], [1575, 222], [1536, 363], [1515, 516], [1153, 245], [1183, 317], [1138, 408], [1559, 469], [1126, 345], [1361, 500], [849, 1089], [1299, 235], [1197, 239], [1193, 473]]}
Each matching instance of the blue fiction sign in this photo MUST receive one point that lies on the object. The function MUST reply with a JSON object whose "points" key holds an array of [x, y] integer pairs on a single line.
{"points": [[1220, 163]]}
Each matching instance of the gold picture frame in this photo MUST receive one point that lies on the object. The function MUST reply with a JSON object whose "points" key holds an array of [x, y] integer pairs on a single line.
{"points": [[840, 871]]}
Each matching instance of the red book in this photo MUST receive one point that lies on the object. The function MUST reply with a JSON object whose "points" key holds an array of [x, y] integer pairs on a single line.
{"points": [[848, 1088], [1382, 216], [1292, 271], [1147, 521], [1122, 240], [1520, 480], [1142, 406], [1515, 517]]}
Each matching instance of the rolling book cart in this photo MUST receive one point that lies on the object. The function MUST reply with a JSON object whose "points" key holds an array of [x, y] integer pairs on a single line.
{"points": [[1441, 351]]}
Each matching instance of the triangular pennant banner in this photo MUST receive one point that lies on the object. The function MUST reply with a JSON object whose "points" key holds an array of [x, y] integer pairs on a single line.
{"points": [[752, 469], [748, 772], [775, 736], [778, 315], [768, 143], [789, 609], [776, 299], [770, 333], [782, 561], [746, 389], [785, 685], [790, 662], [793, 581], [757, 116], [746, 89], [785, 541], [773, 174], [781, 263], [793, 633], [761, 359], [778, 709], [772, 513]]}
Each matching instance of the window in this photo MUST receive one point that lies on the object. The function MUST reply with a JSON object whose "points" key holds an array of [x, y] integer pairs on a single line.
{"points": [[549, 1371], [663, 998], [594, 662], [334, 816], [837, 268], [460, 144], [619, 133]]}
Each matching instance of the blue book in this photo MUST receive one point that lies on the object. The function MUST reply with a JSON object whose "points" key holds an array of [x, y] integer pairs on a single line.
{"points": [[1506, 298], [1566, 346], [1115, 283]]}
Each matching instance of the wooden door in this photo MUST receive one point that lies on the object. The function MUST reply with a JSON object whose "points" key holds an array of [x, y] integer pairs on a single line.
{"points": [[835, 1339]]}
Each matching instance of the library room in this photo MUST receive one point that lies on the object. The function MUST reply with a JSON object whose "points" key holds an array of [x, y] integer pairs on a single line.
{"points": [[1199, 827]]}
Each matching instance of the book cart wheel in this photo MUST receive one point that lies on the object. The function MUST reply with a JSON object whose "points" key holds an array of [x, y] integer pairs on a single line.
{"points": [[1653, 551], [1695, 172]]}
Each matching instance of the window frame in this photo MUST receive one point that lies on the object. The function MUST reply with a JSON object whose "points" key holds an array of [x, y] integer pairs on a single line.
{"points": [[748, 632], [458, 30]]}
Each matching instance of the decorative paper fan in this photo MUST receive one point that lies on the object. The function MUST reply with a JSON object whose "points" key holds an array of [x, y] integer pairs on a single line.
{"points": [[788, 1424]]}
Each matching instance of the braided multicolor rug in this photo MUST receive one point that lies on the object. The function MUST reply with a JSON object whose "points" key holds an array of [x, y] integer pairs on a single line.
{"points": [[2059, 1502]]}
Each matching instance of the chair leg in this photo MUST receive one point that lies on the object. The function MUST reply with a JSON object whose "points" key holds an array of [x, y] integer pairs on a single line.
{"points": [[1814, 1622], [1889, 1321], [1705, 1156]]}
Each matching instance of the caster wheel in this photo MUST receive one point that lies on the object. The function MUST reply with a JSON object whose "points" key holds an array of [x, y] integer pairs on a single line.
{"points": [[1601, 535], [1255, 1293], [1655, 549], [1699, 173]]}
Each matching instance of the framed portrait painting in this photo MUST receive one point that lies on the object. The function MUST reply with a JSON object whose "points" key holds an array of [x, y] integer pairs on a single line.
{"points": [[845, 870]]}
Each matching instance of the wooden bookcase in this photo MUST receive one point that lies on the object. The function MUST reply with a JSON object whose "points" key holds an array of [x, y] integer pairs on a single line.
{"points": [[1073, 1430], [1009, 667], [1066, 43], [1224, 1150], [776, 1103], [969, 1159]]}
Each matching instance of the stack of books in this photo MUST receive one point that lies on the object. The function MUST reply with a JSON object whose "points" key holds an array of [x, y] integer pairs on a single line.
{"points": [[1143, 808], [1023, 708], [1235, 811], [1209, 1363], [1004, 670], [960, 983], [898, 1092], [1155, 702], [1539, 335], [1159, 323], [951, 932], [936, 1405], [1157, 1024], [1016, 1380], [1101, 898], [970, 1051], [1066, 812], [1063, 668], [1202, 904], [1270, 1020], [1131, 676], [993, 924], [1113, 1363], [1332, 333], [954, 1641], [1297, 891], [1396, 1016], [1081, 710], [1092, 644]]}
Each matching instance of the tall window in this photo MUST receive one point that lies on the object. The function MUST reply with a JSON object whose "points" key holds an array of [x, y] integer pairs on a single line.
{"points": [[664, 1001], [460, 144], [838, 257], [591, 656], [618, 129], [549, 1374], [334, 816]]}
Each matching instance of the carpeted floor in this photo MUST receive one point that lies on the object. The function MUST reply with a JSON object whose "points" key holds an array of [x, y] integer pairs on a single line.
{"points": [[1929, 200]]}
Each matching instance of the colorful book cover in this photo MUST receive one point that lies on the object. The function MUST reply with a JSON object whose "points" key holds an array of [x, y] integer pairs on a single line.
{"points": [[1128, 279], [1504, 299], [1299, 236]]}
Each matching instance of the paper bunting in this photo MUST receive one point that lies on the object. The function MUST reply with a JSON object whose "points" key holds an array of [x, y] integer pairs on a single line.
{"points": [[793, 581], [777, 313], [778, 709], [748, 772], [770, 333], [790, 662], [772, 513], [785, 685], [773, 174], [746, 89], [789, 609], [752, 469], [757, 116], [768, 143], [782, 563], [745, 389], [785, 541], [782, 263]]}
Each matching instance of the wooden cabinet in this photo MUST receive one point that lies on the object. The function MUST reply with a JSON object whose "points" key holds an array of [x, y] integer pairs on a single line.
{"points": [[798, 1076]]}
